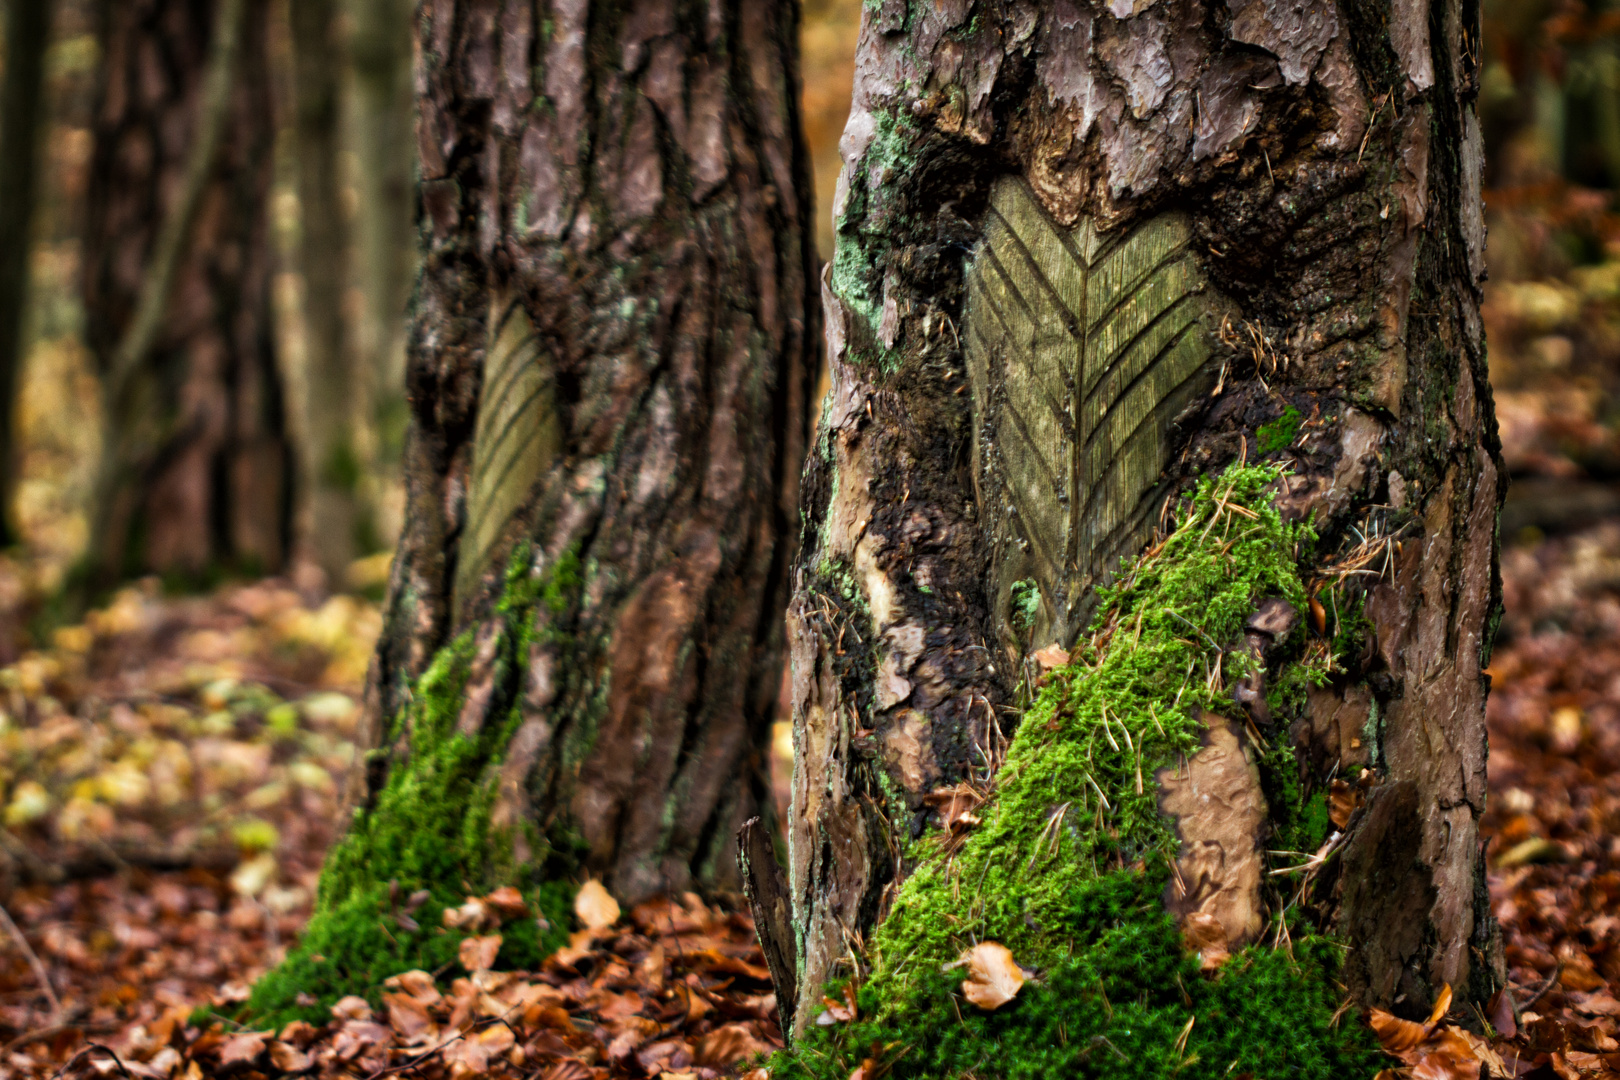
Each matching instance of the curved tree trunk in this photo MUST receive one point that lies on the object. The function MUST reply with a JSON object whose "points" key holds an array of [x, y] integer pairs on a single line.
{"points": [[1086, 256], [609, 375], [177, 259]]}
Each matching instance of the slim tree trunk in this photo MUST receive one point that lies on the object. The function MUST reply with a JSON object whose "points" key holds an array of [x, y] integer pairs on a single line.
{"points": [[332, 516], [380, 48], [613, 345], [28, 24], [177, 293], [1087, 256]]}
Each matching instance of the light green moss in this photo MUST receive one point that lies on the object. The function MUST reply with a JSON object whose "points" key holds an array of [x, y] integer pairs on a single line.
{"points": [[1068, 867], [1280, 433], [429, 828]]}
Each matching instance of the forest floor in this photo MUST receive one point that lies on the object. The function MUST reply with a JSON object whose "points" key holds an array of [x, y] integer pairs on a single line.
{"points": [[171, 770]]}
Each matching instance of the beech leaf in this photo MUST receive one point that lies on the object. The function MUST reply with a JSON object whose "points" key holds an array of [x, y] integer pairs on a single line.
{"points": [[994, 978], [595, 906], [478, 953]]}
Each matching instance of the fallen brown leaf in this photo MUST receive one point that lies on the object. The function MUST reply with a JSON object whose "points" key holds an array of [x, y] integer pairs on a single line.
{"points": [[994, 978], [726, 1046], [595, 906], [242, 1049], [478, 953]]}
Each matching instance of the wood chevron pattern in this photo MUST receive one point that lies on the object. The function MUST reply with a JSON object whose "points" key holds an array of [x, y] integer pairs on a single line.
{"points": [[1081, 349], [517, 439]]}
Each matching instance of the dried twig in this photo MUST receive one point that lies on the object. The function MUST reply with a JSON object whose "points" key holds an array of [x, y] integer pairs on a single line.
{"points": [[33, 962]]}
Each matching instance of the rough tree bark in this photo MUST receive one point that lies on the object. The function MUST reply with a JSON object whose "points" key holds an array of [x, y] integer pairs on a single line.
{"points": [[1086, 254], [177, 260], [613, 346], [28, 25], [331, 515]]}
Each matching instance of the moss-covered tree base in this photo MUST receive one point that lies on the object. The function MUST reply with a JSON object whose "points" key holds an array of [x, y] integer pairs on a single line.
{"points": [[1129, 1001], [1070, 865], [427, 842]]}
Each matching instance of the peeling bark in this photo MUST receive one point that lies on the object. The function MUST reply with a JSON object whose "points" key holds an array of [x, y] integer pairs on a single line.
{"points": [[611, 358], [1325, 159]]}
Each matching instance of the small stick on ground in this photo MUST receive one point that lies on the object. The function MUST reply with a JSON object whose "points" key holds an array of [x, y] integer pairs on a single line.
{"points": [[33, 962]]}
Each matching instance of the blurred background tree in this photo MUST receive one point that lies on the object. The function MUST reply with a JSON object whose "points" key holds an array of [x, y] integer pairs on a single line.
{"points": [[274, 377]]}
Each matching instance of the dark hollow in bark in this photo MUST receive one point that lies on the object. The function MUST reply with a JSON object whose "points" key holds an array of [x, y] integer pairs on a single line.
{"points": [[197, 467], [1285, 198], [610, 364], [28, 24]]}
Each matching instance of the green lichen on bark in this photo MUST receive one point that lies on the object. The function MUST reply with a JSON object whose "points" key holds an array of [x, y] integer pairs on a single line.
{"points": [[1069, 865], [429, 829]]}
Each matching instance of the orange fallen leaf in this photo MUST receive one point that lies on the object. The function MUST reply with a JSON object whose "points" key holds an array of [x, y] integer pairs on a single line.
{"points": [[1395, 1035], [866, 1070], [994, 978], [955, 805], [243, 1049], [839, 1012], [1343, 800], [1051, 658], [1206, 936], [351, 1008], [288, 1058], [726, 1046], [508, 902], [595, 906], [478, 953]]}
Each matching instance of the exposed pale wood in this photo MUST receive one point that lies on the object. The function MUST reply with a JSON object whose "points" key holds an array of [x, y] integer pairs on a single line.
{"points": [[517, 440], [1082, 348]]}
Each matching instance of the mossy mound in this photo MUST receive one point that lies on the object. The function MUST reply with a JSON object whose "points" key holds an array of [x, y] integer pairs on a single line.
{"points": [[1069, 865], [1129, 1001], [429, 830]]}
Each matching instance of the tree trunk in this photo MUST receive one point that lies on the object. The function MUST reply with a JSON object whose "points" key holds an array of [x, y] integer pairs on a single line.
{"points": [[195, 473], [331, 518], [1085, 258], [610, 366], [28, 25], [382, 111]]}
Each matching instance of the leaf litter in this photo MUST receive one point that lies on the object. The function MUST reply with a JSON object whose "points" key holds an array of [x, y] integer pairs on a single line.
{"points": [[170, 775], [201, 742]]}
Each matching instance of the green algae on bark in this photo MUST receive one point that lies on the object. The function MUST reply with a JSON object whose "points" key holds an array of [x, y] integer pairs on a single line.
{"points": [[430, 829], [1070, 863]]}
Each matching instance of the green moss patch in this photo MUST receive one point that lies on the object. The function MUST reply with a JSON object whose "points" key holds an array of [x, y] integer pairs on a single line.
{"points": [[429, 831], [1069, 865]]}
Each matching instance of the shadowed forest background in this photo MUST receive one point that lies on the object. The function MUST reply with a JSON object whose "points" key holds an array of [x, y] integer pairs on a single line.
{"points": [[178, 696]]}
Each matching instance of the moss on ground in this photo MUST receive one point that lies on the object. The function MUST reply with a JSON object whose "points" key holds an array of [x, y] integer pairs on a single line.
{"points": [[1068, 867], [429, 830]]}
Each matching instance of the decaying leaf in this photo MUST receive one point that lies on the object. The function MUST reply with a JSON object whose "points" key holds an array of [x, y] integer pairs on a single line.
{"points": [[839, 1012], [351, 1008], [288, 1058], [243, 1048], [478, 953], [994, 978], [1396, 1036], [595, 906], [1205, 936], [1051, 658], [1219, 811], [725, 1046], [508, 902], [1343, 800], [956, 806]]}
